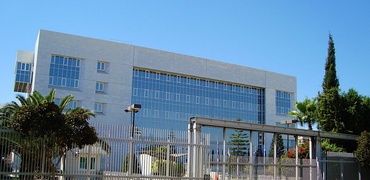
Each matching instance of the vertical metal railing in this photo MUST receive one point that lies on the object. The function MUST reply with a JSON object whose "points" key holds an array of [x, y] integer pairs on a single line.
{"points": [[157, 154]]}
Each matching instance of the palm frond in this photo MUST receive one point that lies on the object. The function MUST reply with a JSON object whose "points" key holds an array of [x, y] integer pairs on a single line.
{"points": [[65, 101]]}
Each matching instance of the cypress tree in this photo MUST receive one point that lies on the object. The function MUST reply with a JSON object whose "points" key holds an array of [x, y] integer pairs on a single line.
{"points": [[329, 99], [330, 77]]}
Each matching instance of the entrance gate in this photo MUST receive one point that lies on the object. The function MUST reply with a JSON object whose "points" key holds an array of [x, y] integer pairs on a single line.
{"points": [[253, 165]]}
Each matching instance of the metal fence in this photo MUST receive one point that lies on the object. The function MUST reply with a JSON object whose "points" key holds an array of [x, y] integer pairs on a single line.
{"points": [[148, 154], [154, 154]]}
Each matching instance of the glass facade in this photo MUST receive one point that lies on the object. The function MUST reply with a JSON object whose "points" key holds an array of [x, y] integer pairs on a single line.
{"points": [[64, 71], [283, 102], [23, 73], [168, 100]]}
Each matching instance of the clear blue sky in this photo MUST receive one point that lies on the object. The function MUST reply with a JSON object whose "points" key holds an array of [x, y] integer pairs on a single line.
{"points": [[288, 37]]}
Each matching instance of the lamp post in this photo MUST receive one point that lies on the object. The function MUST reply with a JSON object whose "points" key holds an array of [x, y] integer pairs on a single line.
{"points": [[288, 122], [134, 108]]}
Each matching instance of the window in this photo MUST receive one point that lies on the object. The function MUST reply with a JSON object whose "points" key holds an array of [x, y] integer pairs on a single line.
{"points": [[241, 105], [98, 107], [283, 102], [197, 82], [206, 100], [135, 92], [233, 104], [146, 74], [188, 98], [23, 72], [168, 78], [146, 112], [83, 163], [177, 97], [146, 92], [101, 66], [225, 103], [233, 87], [136, 73], [64, 71], [197, 100], [187, 80], [241, 88], [216, 102], [168, 96], [207, 83], [167, 115], [157, 94], [156, 114], [225, 86], [216, 85], [178, 79], [158, 76], [100, 87]]}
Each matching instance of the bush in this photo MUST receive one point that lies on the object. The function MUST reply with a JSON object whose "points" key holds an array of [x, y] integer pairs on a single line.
{"points": [[363, 149]]}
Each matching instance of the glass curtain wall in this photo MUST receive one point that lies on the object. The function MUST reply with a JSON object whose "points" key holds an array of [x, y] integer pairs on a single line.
{"points": [[168, 100]]}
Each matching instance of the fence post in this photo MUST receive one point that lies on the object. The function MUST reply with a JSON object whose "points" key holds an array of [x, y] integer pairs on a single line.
{"points": [[251, 155], [168, 159], [318, 158], [190, 149], [88, 161], [224, 154], [341, 169], [275, 156], [311, 156], [296, 158]]}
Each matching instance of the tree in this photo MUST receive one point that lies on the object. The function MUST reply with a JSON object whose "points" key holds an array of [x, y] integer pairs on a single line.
{"points": [[305, 112], [46, 128], [355, 111], [239, 142], [280, 149], [363, 149], [329, 100]]}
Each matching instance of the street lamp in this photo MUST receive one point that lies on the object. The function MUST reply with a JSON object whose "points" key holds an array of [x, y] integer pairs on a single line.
{"points": [[288, 122], [133, 109]]}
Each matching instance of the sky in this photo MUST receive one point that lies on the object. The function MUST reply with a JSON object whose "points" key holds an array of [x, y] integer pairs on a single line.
{"points": [[287, 37]]}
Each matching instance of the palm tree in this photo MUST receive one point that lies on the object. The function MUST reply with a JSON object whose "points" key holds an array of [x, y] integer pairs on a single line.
{"points": [[305, 112], [38, 120]]}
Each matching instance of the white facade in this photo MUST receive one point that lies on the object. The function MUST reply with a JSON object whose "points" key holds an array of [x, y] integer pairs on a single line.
{"points": [[120, 61]]}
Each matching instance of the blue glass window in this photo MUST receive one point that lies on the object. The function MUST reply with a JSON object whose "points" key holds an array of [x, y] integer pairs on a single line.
{"points": [[101, 66], [169, 101], [283, 102], [98, 107], [64, 71], [23, 73], [100, 87]]}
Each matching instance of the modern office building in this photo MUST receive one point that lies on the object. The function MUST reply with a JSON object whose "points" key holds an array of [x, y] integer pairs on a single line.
{"points": [[109, 76]]}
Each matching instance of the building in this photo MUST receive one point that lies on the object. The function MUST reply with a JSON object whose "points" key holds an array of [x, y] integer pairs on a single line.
{"points": [[109, 76]]}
